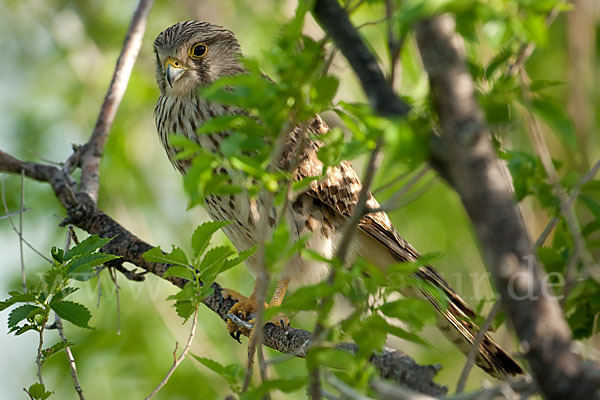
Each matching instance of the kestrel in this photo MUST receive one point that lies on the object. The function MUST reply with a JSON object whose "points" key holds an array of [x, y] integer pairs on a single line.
{"points": [[193, 54]]}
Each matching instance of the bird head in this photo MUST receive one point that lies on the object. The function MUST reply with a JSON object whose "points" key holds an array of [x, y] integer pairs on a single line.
{"points": [[192, 54]]}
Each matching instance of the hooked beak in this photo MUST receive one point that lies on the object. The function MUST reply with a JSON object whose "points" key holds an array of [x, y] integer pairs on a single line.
{"points": [[174, 69]]}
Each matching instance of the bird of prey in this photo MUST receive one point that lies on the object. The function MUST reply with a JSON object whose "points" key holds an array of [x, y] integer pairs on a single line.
{"points": [[193, 54]]}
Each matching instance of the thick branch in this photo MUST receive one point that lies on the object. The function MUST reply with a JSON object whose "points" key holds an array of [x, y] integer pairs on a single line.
{"points": [[83, 213], [92, 151], [477, 176], [331, 15]]}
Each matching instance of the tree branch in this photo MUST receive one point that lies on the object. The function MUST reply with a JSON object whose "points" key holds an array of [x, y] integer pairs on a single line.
{"points": [[92, 151], [477, 177], [476, 174], [83, 213]]}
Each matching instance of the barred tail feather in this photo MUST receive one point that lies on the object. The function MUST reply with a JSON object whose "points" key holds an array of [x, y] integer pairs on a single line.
{"points": [[455, 322]]}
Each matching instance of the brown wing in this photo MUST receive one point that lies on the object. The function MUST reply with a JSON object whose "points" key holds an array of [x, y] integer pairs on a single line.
{"points": [[339, 189]]}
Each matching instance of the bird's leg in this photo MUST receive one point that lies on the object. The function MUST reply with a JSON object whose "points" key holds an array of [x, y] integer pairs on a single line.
{"points": [[246, 306], [277, 299]]}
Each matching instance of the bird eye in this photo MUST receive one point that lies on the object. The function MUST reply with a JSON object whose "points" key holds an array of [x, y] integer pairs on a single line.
{"points": [[198, 51]]}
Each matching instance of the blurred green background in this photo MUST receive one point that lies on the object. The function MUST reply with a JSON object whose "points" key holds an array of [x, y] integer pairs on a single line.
{"points": [[58, 58]]}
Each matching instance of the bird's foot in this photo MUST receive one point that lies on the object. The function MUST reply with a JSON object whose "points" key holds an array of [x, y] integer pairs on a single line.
{"points": [[245, 309]]}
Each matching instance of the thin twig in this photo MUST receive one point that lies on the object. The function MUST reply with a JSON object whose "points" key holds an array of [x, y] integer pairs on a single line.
{"points": [[58, 325], [393, 392], [261, 220], [21, 211], [371, 23], [526, 49], [12, 214], [546, 232], [72, 365], [391, 182], [348, 230], [345, 390], [391, 203], [462, 381], [38, 359], [580, 252], [113, 277], [355, 7], [506, 390], [179, 359], [572, 197], [12, 223], [92, 151], [361, 206]]}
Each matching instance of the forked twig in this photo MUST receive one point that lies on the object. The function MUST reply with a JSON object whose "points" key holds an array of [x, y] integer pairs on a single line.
{"points": [[179, 359]]}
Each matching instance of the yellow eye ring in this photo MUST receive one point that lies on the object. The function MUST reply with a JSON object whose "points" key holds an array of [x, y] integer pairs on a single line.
{"points": [[198, 51]]}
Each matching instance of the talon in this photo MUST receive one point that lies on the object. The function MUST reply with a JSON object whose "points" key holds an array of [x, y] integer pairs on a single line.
{"points": [[236, 336]]}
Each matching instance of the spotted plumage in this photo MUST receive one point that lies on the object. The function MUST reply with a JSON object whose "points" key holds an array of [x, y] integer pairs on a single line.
{"points": [[320, 211]]}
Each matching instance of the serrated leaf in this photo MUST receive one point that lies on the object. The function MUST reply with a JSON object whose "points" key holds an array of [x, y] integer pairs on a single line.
{"points": [[75, 313], [50, 351], [20, 313], [19, 331], [38, 391], [89, 245], [242, 256], [323, 91], [16, 297], [63, 293], [184, 308], [186, 293], [203, 234], [557, 119], [416, 312], [591, 205], [176, 256], [212, 263], [57, 254], [180, 272], [231, 373], [80, 267]]}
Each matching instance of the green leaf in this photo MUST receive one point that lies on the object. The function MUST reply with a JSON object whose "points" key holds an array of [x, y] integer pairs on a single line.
{"points": [[323, 91], [63, 293], [538, 85], [16, 297], [203, 234], [75, 313], [416, 312], [20, 313], [180, 272], [231, 373], [38, 391], [591, 205], [331, 357], [89, 245], [557, 119], [185, 309], [57, 254], [242, 256], [80, 267], [19, 331], [50, 351], [176, 256], [213, 262]]}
